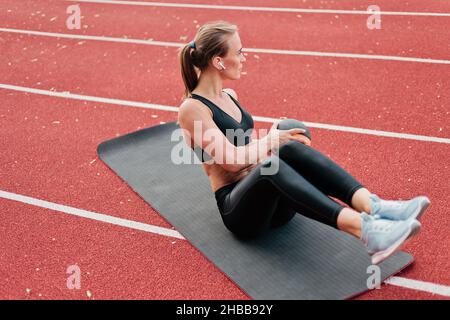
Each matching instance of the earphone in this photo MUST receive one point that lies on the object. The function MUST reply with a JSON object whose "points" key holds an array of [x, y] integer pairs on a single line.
{"points": [[221, 64]]}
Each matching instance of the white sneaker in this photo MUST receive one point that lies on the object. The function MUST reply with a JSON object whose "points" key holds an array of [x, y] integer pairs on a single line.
{"points": [[398, 210], [383, 237]]}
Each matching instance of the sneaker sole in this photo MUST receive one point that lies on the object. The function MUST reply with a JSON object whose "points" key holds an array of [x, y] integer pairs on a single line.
{"points": [[414, 229], [424, 204]]}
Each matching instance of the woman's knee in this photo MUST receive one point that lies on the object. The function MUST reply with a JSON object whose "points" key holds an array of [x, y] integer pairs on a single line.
{"points": [[293, 148], [295, 152]]}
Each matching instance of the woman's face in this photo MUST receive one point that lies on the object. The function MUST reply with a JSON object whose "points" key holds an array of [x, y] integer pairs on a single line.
{"points": [[233, 60]]}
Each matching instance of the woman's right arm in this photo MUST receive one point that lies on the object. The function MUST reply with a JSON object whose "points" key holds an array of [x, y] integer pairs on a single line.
{"points": [[197, 123]]}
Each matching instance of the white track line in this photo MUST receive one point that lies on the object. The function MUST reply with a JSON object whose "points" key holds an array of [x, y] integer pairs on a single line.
{"points": [[91, 215], [419, 285], [249, 50], [97, 38], [396, 281], [267, 9], [69, 95]]}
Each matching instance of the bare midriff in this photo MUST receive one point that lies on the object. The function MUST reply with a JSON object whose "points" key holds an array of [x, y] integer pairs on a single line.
{"points": [[219, 177]]}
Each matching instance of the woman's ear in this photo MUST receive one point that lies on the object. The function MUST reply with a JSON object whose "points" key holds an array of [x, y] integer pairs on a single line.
{"points": [[217, 63]]}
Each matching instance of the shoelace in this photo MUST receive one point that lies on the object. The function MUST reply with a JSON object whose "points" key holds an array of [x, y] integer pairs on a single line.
{"points": [[393, 205], [385, 227]]}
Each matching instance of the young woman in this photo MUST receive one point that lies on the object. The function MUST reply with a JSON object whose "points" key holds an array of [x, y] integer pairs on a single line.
{"points": [[250, 201]]}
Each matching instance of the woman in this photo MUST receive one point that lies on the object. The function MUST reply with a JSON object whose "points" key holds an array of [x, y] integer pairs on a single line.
{"points": [[250, 201]]}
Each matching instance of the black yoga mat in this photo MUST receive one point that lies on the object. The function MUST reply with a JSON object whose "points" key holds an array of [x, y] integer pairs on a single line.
{"points": [[300, 260]]}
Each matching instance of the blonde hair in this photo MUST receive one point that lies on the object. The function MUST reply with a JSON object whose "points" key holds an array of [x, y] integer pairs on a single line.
{"points": [[210, 41]]}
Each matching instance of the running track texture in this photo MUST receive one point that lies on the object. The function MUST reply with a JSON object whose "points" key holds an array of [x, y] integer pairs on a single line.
{"points": [[377, 102]]}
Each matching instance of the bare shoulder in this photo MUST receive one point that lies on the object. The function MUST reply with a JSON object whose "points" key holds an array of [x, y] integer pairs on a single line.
{"points": [[231, 92], [192, 109]]}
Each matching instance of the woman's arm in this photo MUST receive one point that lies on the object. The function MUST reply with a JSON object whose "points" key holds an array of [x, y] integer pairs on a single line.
{"points": [[193, 116]]}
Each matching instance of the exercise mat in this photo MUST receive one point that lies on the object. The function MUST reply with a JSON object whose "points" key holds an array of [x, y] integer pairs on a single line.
{"points": [[300, 260]]}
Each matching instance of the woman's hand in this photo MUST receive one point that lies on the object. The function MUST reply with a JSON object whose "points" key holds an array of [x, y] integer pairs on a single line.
{"points": [[284, 136], [278, 138], [302, 139]]}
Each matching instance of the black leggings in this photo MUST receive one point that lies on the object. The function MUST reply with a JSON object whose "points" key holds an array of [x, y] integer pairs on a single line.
{"points": [[304, 180]]}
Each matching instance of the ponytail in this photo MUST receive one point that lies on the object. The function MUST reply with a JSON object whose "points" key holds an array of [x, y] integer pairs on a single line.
{"points": [[188, 71]]}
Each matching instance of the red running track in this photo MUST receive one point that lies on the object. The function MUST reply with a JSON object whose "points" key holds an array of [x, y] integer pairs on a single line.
{"points": [[336, 91], [409, 36], [51, 145]]}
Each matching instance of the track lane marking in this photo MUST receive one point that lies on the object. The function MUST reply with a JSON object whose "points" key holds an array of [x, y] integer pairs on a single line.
{"points": [[91, 215], [266, 9], [325, 126], [247, 50], [395, 281]]}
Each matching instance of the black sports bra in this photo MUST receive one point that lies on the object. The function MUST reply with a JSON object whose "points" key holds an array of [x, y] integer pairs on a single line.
{"points": [[224, 121]]}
